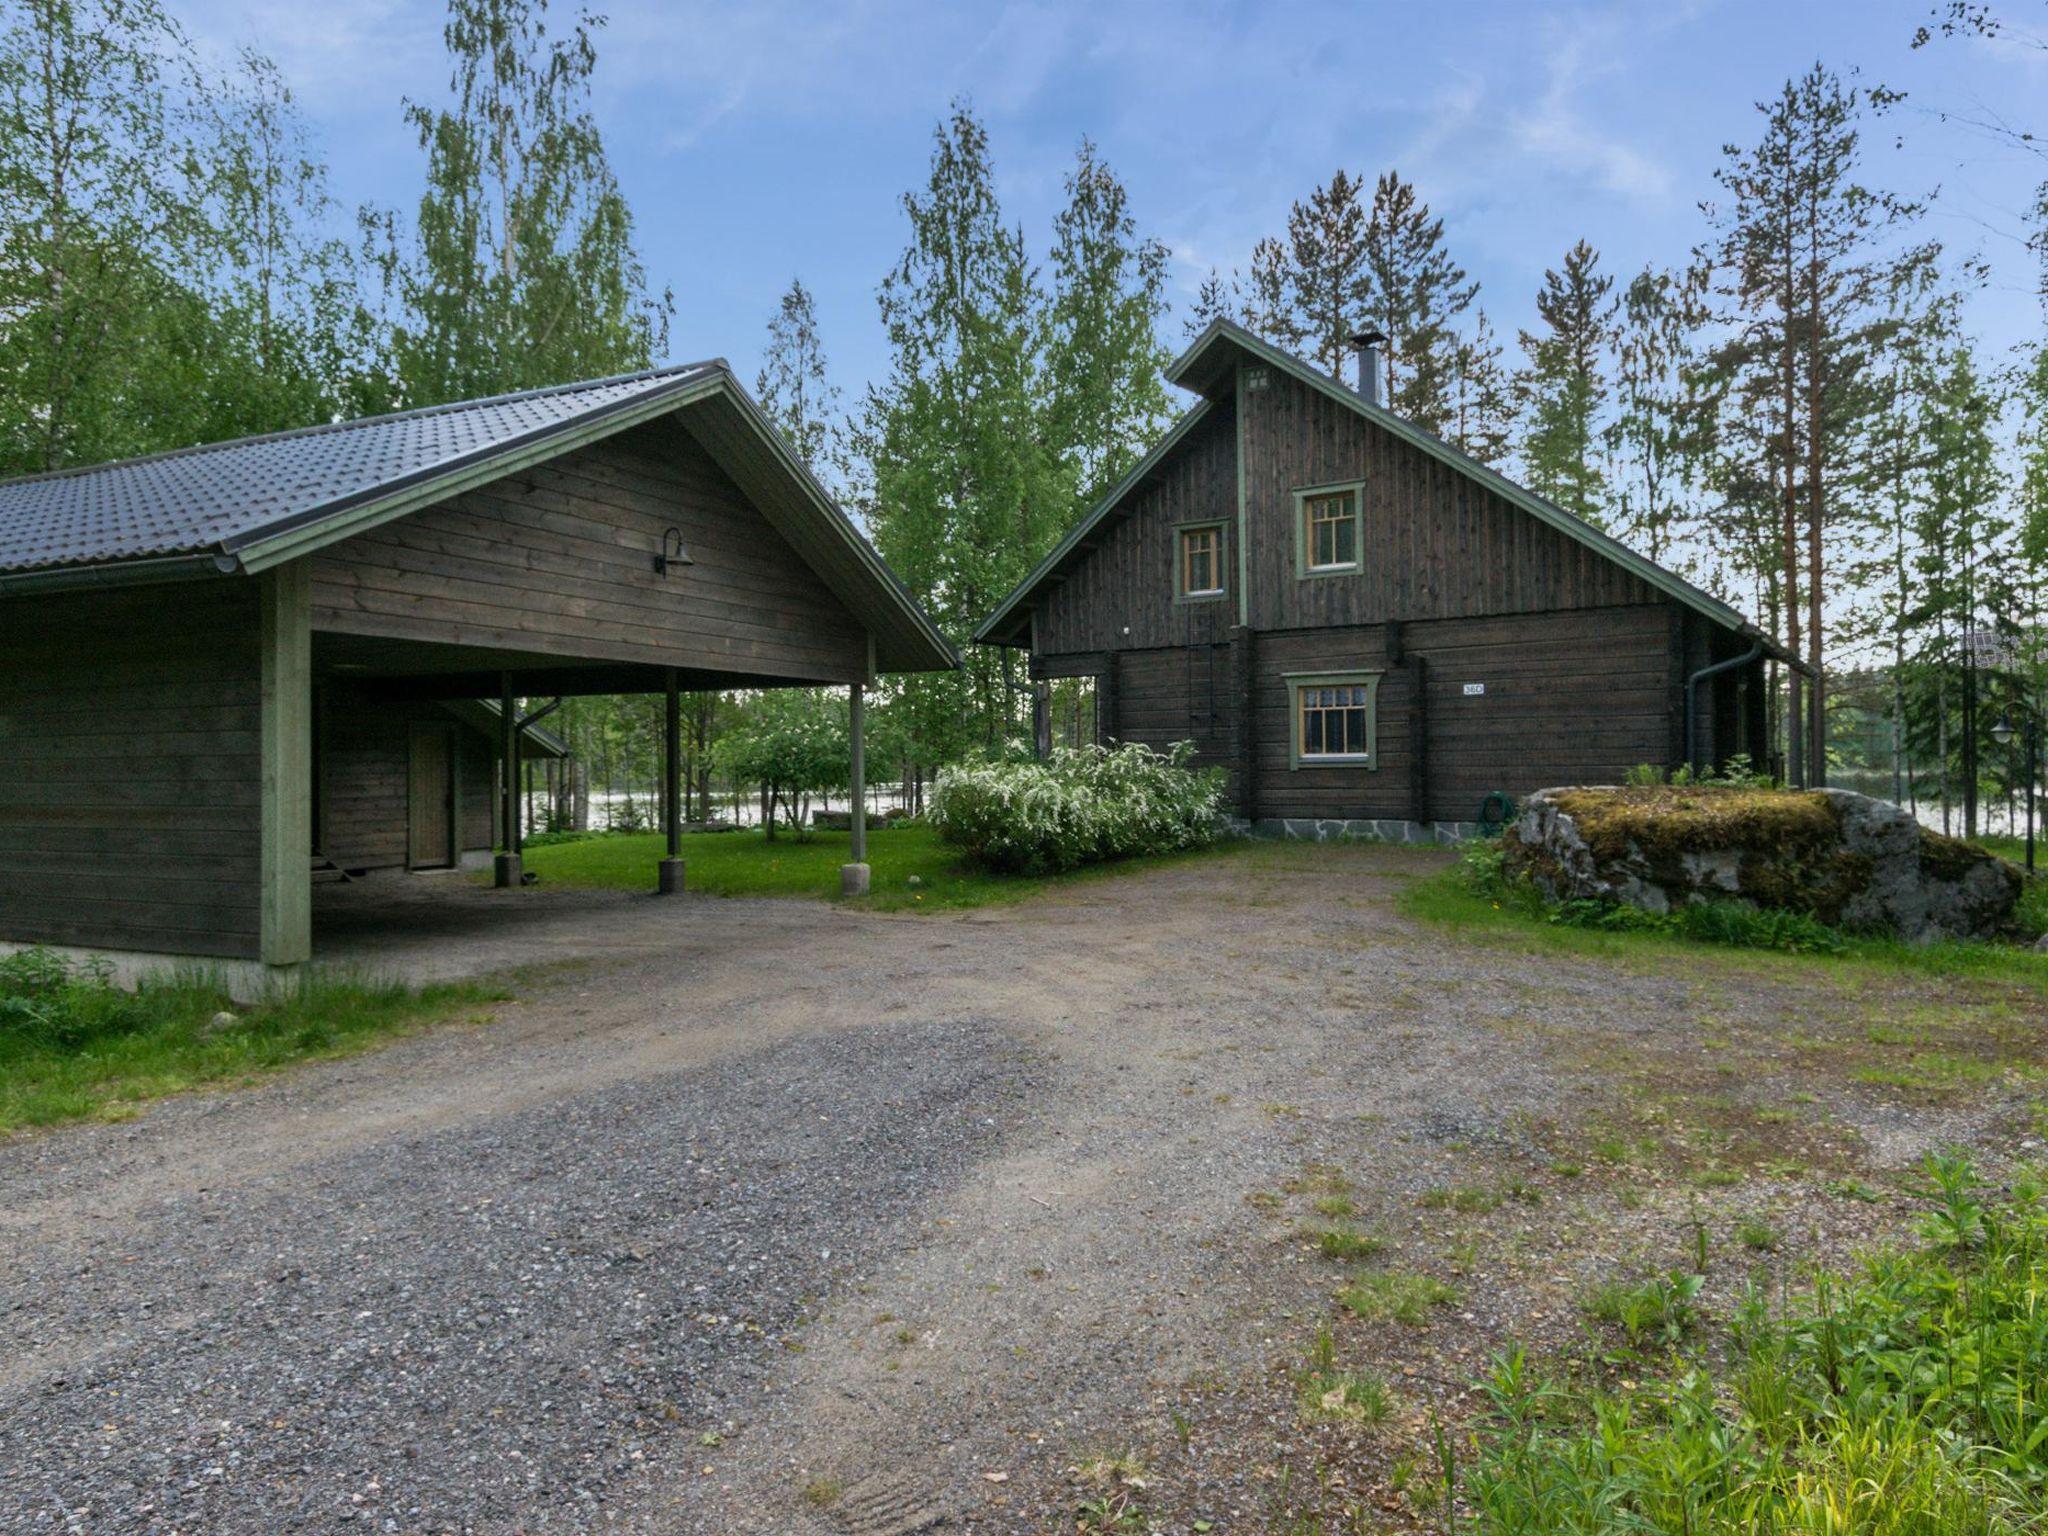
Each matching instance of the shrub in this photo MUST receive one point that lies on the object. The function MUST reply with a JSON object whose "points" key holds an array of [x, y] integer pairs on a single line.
{"points": [[1078, 807]]}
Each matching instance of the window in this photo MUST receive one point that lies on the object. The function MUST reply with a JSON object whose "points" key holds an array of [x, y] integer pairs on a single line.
{"points": [[1326, 531], [1201, 560], [1334, 718]]}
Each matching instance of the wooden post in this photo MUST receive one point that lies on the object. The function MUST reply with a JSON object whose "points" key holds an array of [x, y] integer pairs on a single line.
{"points": [[285, 862], [854, 877], [1041, 719], [670, 879], [507, 873]]}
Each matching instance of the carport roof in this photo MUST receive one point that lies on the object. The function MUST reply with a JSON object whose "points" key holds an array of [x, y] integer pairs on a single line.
{"points": [[253, 502]]}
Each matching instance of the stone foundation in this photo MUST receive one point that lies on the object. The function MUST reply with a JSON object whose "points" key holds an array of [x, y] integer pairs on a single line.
{"points": [[1325, 829]]}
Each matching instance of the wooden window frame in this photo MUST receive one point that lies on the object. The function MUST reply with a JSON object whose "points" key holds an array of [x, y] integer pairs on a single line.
{"points": [[1296, 683], [1303, 495], [1219, 527]]}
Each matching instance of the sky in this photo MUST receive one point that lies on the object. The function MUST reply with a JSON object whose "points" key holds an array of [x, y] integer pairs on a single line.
{"points": [[772, 140]]}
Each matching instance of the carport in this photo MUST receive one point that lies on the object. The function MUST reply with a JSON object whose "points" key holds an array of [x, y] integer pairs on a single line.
{"points": [[235, 664]]}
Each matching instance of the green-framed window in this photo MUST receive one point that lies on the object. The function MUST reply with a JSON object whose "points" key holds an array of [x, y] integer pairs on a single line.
{"points": [[1333, 719], [1198, 550], [1329, 530]]}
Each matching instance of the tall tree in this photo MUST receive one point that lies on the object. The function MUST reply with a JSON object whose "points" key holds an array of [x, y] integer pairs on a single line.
{"points": [[1651, 434], [1326, 271], [1215, 300], [1102, 354], [1416, 294], [1564, 385], [92, 216], [521, 268], [794, 387], [1484, 405], [967, 489], [1801, 264]]}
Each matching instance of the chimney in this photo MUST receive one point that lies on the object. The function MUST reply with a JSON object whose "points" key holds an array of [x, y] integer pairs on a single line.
{"points": [[1368, 344]]}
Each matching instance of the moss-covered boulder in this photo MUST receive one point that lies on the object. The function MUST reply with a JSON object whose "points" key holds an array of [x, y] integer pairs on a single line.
{"points": [[1846, 859]]}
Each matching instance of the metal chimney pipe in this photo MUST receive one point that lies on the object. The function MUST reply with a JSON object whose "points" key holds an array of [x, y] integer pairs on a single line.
{"points": [[1367, 344]]}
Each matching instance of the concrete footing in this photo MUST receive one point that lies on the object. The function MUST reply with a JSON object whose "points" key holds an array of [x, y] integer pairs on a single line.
{"points": [[853, 879], [669, 878], [509, 871]]}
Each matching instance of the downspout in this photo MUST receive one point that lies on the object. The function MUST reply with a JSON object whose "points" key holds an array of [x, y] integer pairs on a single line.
{"points": [[1692, 686]]}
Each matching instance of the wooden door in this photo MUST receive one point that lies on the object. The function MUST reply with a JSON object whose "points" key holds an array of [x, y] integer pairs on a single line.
{"points": [[430, 836]]}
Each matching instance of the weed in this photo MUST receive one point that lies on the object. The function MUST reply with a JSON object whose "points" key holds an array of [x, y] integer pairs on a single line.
{"points": [[1757, 1235], [1472, 1199], [1854, 1189], [1395, 1297], [1351, 1396], [1334, 1206], [1659, 1310], [1340, 1243], [823, 1492]]}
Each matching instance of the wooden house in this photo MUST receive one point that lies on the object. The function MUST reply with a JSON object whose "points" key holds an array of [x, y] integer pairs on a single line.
{"points": [[1371, 632], [229, 666]]}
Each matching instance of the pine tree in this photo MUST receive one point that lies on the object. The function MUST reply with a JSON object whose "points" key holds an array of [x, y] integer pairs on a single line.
{"points": [[1563, 385], [1215, 300], [1268, 302], [794, 387], [1326, 271], [1416, 294], [1485, 409], [521, 269], [968, 491], [1102, 354], [1800, 269]]}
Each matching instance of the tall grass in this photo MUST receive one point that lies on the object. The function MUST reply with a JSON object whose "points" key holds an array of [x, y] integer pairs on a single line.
{"points": [[1903, 1400], [73, 1045]]}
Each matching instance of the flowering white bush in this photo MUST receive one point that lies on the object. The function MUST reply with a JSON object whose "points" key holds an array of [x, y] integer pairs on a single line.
{"points": [[1080, 806]]}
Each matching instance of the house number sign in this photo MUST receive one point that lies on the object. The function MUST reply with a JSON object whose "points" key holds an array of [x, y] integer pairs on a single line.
{"points": [[1474, 690]]}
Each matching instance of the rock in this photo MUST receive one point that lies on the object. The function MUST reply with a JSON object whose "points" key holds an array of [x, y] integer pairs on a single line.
{"points": [[1846, 859], [219, 1024], [2041, 944], [915, 882]]}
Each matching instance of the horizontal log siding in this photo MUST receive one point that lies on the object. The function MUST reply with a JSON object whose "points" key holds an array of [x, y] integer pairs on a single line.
{"points": [[365, 769], [1182, 694], [1132, 578], [130, 770], [1571, 698], [1434, 543], [558, 561]]}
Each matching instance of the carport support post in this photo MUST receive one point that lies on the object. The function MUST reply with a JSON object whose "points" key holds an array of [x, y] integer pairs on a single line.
{"points": [[671, 873], [285, 861], [854, 877], [507, 870]]}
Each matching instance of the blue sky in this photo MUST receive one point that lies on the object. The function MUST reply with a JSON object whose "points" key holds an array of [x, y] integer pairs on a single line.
{"points": [[774, 139]]}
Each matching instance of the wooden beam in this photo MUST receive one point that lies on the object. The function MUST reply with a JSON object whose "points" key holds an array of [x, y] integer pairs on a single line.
{"points": [[286, 863]]}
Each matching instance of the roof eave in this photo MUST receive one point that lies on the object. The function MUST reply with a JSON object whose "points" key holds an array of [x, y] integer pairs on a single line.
{"points": [[145, 570]]}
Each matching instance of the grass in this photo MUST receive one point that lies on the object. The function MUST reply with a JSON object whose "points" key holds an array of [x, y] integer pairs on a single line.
{"points": [[748, 863], [1901, 1399], [1346, 1246], [1395, 1296], [73, 1046], [1662, 1310]]}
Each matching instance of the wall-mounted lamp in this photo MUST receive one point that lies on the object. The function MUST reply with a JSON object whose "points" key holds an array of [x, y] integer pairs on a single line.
{"points": [[671, 552]]}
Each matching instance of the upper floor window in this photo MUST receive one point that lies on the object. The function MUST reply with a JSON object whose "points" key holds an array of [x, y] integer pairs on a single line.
{"points": [[1327, 531], [1201, 560]]}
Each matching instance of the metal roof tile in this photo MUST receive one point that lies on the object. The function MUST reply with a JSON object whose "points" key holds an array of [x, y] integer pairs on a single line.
{"points": [[217, 496]]}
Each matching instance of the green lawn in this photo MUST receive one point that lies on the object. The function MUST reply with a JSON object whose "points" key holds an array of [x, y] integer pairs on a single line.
{"points": [[75, 1047], [750, 864]]}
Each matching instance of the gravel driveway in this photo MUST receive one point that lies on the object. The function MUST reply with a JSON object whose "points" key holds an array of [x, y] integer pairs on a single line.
{"points": [[770, 1217]]}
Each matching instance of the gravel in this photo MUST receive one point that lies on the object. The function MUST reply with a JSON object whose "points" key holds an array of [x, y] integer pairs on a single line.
{"points": [[486, 1326]]}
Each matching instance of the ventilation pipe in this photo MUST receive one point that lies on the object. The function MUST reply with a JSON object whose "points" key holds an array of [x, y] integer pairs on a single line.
{"points": [[1367, 344]]}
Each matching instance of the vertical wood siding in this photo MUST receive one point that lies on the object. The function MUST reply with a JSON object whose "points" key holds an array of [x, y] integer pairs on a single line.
{"points": [[1132, 578], [558, 560], [130, 769]]}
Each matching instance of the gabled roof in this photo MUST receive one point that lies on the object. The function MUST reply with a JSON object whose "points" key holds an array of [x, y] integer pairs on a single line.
{"points": [[245, 505], [1213, 358]]}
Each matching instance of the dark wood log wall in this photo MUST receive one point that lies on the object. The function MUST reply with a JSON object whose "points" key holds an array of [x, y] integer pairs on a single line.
{"points": [[1131, 579], [364, 765], [558, 560], [130, 769]]}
